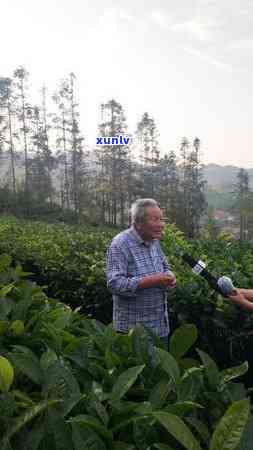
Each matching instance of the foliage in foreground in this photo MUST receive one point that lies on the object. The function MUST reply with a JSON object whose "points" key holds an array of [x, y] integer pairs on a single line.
{"points": [[78, 385]]}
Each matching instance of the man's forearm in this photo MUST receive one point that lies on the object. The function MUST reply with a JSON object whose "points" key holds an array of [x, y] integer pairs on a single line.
{"points": [[148, 281]]}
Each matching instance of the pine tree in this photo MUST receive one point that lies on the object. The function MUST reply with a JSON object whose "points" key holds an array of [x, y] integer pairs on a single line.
{"points": [[6, 124], [41, 163], [193, 187], [168, 194], [74, 155], [114, 164], [147, 138], [62, 152], [243, 202], [22, 110]]}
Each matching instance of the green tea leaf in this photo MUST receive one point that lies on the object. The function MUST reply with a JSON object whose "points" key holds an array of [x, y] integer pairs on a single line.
{"points": [[182, 340], [212, 370], [229, 430], [200, 428], [28, 365], [125, 381], [168, 364], [177, 428], [159, 393], [234, 372]]}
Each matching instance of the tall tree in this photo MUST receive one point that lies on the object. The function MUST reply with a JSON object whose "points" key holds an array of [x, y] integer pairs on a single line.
{"points": [[72, 139], [147, 138], [168, 193], [114, 164], [22, 108], [62, 150], [41, 163], [243, 201], [6, 123], [193, 187]]}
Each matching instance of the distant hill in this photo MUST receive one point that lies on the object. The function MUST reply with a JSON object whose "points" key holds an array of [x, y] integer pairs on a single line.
{"points": [[222, 178]]}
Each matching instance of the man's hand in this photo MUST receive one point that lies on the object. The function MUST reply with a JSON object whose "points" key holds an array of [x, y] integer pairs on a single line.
{"points": [[167, 279]]}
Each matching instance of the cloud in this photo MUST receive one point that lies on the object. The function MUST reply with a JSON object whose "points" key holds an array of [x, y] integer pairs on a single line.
{"points": [[160, 18], [242, 44], [125, 16], [200, 28], [209, 59]]}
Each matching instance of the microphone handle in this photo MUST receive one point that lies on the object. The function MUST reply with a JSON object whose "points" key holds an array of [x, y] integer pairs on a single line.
{"points": [[200, 270]]}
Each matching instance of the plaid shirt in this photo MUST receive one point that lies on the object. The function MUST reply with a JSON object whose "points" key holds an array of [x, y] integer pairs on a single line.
{"points": [[129, 259]]}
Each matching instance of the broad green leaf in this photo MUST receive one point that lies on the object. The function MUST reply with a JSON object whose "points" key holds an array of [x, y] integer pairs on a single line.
{"points": [[247, 436], [6, 306], [84, 438], [234, 372], [229, 430], [237, 391], [5, 262], [28, 365], [119, 445], [188, 363], [190, 385], [181, 408], [177, 428], [125, 381], [27, 417], [212, 370], [144, 408], [60, 382], [6, 289], [111, 359], [182, 340], [144, 433], [70, 402], [160, 446], [159, 393], [6, 374], [93, 423], [47, 358], [98, 408], [34, 437], [200, 428], [168, 364], [141, 344], [61, 431]]}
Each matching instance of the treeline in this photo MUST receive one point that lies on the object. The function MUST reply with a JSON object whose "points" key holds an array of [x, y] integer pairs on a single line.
{"points": [[60, 174]]}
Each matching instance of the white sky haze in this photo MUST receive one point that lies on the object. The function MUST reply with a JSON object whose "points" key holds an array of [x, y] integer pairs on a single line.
{"points": [[187, 63]]}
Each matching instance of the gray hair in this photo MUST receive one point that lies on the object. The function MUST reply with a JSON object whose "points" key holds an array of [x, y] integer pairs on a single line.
{"points": [[138, 209]]}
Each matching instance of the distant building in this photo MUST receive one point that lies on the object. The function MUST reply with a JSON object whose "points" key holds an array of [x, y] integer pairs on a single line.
{"points": [[223, 216]]}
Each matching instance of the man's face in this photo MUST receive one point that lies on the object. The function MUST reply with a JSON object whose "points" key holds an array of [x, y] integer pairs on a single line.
{"points": [[153, 225]]}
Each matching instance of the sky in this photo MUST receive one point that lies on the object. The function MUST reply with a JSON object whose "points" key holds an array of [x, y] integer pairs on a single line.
{"points": [[187, 63]]}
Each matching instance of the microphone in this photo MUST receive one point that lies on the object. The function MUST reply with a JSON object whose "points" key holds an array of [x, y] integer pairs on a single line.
{"points": [[222, 285]]}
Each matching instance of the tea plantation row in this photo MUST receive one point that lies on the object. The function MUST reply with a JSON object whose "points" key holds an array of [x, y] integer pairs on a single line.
{"points": [[71, 383]]}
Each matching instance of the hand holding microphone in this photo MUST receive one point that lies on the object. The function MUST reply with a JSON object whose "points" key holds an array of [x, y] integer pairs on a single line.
{"points": [[222, 285]]}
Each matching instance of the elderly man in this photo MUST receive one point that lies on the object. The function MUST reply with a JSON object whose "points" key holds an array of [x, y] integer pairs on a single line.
{"points": [[138, 273]]}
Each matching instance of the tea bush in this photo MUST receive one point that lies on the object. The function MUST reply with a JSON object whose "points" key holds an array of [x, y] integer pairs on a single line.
{"points": [[79, 385], [70, 263]]}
